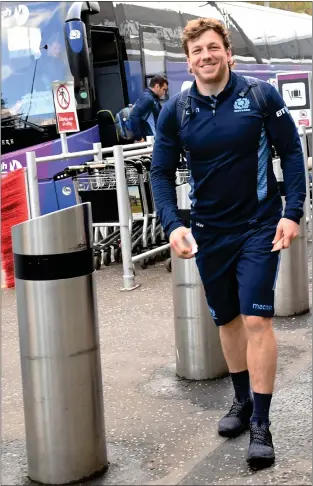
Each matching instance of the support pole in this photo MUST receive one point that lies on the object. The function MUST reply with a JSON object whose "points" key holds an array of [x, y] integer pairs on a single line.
{"points": [[64, 143], [123, 211], [98, 156], [150, 140], [33, 187]]}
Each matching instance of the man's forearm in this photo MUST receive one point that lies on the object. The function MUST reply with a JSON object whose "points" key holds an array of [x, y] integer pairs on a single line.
{"points": [[295, 187], [164, 193]]}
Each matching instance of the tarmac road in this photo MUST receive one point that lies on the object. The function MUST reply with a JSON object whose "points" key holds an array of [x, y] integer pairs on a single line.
{"points": [[160, 429]]}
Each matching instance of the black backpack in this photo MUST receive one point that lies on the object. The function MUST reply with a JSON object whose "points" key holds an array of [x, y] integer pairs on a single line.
{"points": [[252, 83]]}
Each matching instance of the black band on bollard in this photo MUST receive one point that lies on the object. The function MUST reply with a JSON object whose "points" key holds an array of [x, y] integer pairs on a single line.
{"points": [[184, 214], [282, 188], [54, 267]]}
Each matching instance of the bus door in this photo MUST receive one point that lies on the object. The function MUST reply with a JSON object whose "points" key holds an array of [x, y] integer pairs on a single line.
{"points": [[152, 53], [108, 69]]}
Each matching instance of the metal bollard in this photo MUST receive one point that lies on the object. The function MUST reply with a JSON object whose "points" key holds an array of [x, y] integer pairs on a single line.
{"points": [[59, 346], [292, 285], [199, 355]]}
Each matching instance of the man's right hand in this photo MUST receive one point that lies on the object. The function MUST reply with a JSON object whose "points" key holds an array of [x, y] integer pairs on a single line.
{"points": [[179, 244]]}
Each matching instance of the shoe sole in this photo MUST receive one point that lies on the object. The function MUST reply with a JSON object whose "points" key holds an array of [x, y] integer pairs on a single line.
{"points": [[260, 462], [233, 434]]}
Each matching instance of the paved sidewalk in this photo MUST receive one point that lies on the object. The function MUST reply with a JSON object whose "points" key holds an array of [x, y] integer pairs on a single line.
{"points": [[160, 429]]}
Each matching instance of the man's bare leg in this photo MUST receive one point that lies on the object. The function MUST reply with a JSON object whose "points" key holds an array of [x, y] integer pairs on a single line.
{"points": [[262, 364], [261, 353], [234, 343]]}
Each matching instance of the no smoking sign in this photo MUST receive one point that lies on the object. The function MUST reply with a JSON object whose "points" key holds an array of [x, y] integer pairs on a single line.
{"points": [[65, 106]]}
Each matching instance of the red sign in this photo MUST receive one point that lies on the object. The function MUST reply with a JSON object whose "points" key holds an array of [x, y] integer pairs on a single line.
{"points": [[67, 121], [65, 106], [304, 122], [63, 97]]}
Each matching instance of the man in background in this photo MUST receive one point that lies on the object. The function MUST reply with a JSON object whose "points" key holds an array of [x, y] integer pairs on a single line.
{"points": [[146, 111]]}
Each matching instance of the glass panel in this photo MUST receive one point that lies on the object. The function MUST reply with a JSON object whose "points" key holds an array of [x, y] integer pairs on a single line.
{"points": [[154, 14], [104, 48], [33, 55], [153, 52]]}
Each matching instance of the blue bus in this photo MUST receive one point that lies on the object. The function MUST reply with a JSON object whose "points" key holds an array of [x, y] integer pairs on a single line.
{"points": [[126, 43]]}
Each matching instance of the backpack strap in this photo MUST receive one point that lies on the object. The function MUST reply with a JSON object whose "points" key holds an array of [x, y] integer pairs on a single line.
{"points": [[181, 107], [257, 93], [113, 119]]}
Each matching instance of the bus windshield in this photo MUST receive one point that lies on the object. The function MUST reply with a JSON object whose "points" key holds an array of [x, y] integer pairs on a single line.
{"points": [[33, 55]]}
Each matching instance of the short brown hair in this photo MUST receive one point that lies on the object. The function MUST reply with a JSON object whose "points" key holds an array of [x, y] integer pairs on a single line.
{"points": [[158, 79], [196, 27]]}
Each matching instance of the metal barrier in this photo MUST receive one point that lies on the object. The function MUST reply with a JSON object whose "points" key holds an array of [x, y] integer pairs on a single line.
{"points": [[199, 355], [59, 346], [120, 154]]}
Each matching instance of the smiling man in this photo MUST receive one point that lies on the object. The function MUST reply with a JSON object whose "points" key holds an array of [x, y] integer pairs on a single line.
{"points": [[227, 127]]}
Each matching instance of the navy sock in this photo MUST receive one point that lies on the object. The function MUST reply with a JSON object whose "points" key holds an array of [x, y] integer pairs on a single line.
{"points": [[241, 384], [261, 407]]}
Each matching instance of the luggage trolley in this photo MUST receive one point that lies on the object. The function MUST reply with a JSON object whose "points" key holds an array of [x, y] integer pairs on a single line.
{"points": [[153, 235], [97, 185], [157, 236]]}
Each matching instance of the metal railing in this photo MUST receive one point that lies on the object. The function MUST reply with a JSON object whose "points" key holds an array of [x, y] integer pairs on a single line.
{"points": [[120, 154]]}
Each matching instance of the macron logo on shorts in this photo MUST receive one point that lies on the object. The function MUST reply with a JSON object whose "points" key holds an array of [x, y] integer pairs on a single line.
{"points": [[262, 307]]}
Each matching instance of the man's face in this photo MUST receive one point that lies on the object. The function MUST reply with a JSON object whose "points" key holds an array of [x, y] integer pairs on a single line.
{"points": [[161, 90], [207, 57], [54, 49]]}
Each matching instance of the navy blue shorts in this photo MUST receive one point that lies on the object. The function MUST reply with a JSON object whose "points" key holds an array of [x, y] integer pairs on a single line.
{"points": [[238, 271]]}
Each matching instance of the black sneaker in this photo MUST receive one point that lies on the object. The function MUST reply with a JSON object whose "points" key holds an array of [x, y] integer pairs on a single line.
{"points": [[237, 420], [261, 450]]}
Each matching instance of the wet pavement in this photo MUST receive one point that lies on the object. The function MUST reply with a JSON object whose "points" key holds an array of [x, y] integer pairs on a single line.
{"points": [[161, 429]]}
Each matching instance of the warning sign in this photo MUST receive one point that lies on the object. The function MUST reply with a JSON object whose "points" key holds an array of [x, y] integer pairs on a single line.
{"points": [[63, 97], [65, 106]]}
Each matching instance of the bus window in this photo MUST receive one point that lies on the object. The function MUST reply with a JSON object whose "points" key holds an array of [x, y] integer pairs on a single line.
{"points": [[33, 55], [109, 77], [153, 52]]}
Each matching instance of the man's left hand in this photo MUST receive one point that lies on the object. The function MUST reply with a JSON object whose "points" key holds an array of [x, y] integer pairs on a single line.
{"points": [[287, 230]]}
